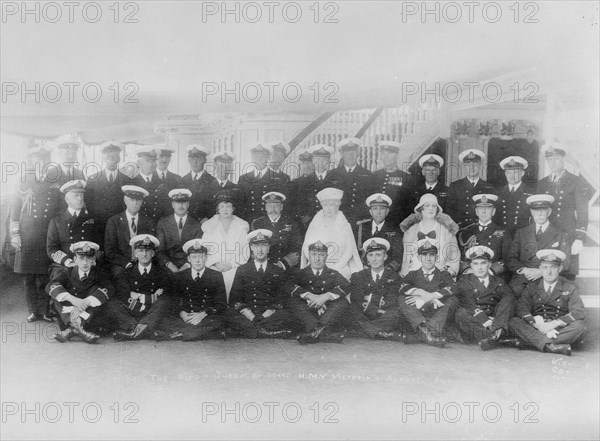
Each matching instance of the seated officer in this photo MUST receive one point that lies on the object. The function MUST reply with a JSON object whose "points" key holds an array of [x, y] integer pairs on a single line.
{"points": [[175, 230], [541, 234], [550, 312], [319, 298], [485, 303], [122, 227], [379, 226], [485, 232], [79, 294], [143, 290], [374, 293], [199, 295], [427, 298], [74, 224], [286, 240], [258, 295]]}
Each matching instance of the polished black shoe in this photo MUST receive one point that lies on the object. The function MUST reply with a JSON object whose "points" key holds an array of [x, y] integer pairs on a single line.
{"points": [[510, 343], [390, 336], [64, 336], [136, 333], [429, 338], [284, 333], [310, 337], [86, 336], [493, 342], [333, 337], [160, 336], [556, 348]]}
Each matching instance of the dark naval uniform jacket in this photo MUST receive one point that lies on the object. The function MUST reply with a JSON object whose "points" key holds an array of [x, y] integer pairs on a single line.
{"points": [[151, 206], [170, 182], [304, 197], [512, 211], [257, 291], [202, 203], [399, 186], [252, 190], [64, 231], [492, 236], [357, 187], [563, 304], [441, 282], [103, 198], [480, 301], [440, 191], [525, 244], [32, 208], [170, 247], [145, 287], [206, 294], [305, 281], [97, 284], [286, 241], [460, 204], [373, 298], [391, 233], [570, 208], [117, 237]]}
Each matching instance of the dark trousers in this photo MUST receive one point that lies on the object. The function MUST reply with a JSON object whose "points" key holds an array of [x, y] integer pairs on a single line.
{"points": [[471, 328], [518, 283], [126, 319], [334, 317], [434, 319], [570, 334], [370, 326], [280, 320], [38, 301], [209, 327]]}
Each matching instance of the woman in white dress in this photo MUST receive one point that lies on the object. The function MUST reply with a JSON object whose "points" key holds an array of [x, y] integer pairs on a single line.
{"points": [[225, 239], [331, 227], [429, 221]]}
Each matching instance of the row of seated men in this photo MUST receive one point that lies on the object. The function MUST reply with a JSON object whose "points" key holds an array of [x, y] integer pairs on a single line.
{"points": [[317, 303]]}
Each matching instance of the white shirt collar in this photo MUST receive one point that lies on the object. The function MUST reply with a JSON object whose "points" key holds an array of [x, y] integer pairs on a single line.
{"points": [[274, 219], [81, 273], [548, 285], [141, 268], [430, 186], [374, 274], [73, 212], [258, 265], [350, 169], [317, 271], [374, 226], [183, 218], [195, 273], [473, 181], [544, 226], [146, 177], [514, 187], [485, 280], [486, 224], [222, 182], [130, 216], [197, 175], [427, 273], [109, 173]]}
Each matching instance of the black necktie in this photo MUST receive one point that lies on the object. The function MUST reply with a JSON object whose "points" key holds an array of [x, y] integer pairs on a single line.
{"points": [[164, 176], [429, 276], [84, 277], [539, 231], [180, 223], [148, 180], [377, 278], [112, 178], [549, 291], [145, 272], [197, 276], [223, 184], [318, 273], [483, 282], [261, 270], [74, 217], [376, 231], [133, 226], [482, 227], [512, 189]]}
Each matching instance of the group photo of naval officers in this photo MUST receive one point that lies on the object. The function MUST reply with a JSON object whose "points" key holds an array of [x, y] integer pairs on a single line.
{"points": [[142, 253]]}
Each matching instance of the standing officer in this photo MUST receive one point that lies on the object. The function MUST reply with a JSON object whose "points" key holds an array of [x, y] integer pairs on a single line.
{"points": [[550, 312], [175, 230], [224, 167], [355, 181], [513, 212], [393, 182], [485, 303], [307, 187], [541, 234], [571, 200], [167, 179], [374, 294], [487, 233], [200, 297], [254, 184], [122, 227], [258, 295], [67, 170], [103, 195], [32, 208], [379, 226], [202, 185], [148, 180], [461, 206], [79, 294], [431, 166], [427, 298], [72, 225], [143, 293], [279, 152], [306, 170], [319, 299], [285, 243]]}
